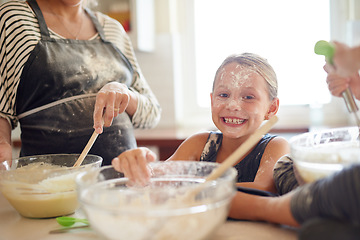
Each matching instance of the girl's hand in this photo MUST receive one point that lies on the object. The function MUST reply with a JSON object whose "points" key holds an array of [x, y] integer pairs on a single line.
{"points": [[134, 164], [111, 100]]}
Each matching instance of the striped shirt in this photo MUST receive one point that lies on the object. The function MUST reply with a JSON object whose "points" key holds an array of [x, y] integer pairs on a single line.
{"points": [[19, 34]]}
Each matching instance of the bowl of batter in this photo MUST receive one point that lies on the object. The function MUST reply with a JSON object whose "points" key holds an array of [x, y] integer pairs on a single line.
{"points": [[176, 203], [43, 186]]}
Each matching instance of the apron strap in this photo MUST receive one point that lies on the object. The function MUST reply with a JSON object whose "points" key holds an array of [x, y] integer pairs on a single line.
{"points": [[53, 104], [43, 27], [96, 23]]}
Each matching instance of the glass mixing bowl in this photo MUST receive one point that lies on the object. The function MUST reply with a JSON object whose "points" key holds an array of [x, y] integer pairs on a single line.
{"points": [[43, 186], [321, 153], [176, 203]]}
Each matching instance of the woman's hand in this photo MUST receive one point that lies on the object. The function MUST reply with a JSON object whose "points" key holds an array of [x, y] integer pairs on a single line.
{"points": [[112, 99], [134, 164], [338, 84], [346, 59]]}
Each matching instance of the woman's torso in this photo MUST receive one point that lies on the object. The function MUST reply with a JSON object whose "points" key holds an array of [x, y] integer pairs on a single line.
{"points": [[56, 94], [20, 34]]}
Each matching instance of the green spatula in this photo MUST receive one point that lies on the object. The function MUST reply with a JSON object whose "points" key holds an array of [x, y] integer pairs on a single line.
{"points": [[325, 48]]}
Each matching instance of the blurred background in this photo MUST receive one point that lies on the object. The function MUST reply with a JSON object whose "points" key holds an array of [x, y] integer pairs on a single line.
{"points": [[180, 44]]}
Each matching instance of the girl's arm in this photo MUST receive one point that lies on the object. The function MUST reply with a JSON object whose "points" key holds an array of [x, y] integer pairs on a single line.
{"points": [[256, 208], [191, 148]]}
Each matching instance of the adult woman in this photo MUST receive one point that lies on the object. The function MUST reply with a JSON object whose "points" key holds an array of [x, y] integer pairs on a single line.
{"points": [[65, 70]]}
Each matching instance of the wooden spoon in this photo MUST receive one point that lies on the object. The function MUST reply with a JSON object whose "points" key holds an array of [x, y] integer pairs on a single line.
{"points": [[86, 149]]}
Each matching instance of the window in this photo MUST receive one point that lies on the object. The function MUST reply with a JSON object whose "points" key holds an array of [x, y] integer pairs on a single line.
{"points": [[282, 31]]}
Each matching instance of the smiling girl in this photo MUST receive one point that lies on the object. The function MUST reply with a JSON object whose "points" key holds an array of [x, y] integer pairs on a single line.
{"points": [[244, 95]]}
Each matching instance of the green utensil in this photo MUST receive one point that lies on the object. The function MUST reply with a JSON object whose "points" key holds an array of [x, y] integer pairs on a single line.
{"points": [[325, 48], [69, 221]]}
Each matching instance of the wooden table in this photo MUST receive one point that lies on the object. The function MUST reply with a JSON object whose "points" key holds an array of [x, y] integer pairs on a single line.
{"points": [[15, 227]]}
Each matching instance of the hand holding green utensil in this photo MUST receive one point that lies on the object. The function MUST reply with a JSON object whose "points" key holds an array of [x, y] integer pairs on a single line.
{"points": [[328, 50]]}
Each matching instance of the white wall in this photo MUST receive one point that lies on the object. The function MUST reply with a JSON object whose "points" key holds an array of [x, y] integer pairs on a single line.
{"points": [[158, 68]]}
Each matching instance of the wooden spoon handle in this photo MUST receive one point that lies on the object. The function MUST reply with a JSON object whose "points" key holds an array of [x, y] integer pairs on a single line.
{"points": [[86, 149], [242, 149]]}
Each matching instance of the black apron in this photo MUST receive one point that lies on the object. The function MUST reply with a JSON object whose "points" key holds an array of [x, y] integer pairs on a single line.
{"points": [[57, 91]]}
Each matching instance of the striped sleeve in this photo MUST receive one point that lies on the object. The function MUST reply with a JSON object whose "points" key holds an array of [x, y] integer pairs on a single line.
{"points": [[148, 111], [19, 33]]}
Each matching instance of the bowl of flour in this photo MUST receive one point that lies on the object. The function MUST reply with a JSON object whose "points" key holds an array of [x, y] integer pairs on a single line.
{"points": [[176, 203]]}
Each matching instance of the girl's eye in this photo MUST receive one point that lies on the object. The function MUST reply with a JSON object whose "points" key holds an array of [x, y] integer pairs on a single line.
{"points": [[224, 95], [249, 97]]}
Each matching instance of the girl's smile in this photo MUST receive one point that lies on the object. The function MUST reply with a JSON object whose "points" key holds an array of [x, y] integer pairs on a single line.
{"points": [[234, 121]]}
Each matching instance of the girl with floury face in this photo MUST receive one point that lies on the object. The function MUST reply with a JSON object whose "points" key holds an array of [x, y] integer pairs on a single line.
{"points": [[244, 95]]}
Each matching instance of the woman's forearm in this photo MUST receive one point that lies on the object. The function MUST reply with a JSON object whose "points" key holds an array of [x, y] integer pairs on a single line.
{"points": [[133, 103], [5, 131], [5, 140], [335, 197]]}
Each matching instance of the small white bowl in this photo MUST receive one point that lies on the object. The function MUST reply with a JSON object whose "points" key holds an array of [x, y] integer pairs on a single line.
{"points": [[321, 153]]}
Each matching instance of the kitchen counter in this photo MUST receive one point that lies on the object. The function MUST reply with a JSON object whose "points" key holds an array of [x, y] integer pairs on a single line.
{"points": [[15, 227]]}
